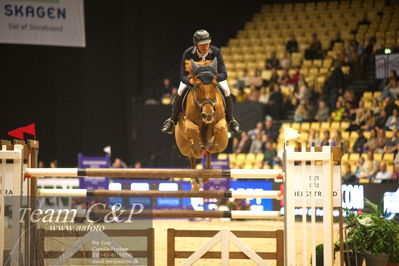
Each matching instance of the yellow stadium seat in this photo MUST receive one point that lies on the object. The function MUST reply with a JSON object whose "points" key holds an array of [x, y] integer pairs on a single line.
{"points": [[364, 181], [317, 63], [354, 135], [266, 74], [296, 126], [388, 157], [259, 157], [367, 95], [354, 156], [315, 126], [222, 156], [305, 126], [250, 157], [345, 135], [378, 156], [344, 125], [335, 125], [390, 168], [325, 125]]}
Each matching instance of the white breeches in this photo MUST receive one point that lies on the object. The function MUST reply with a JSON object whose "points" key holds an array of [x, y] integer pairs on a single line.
{"points": [[223, 85]]}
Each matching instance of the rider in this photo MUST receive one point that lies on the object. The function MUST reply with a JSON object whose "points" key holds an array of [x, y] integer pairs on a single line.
{"points": [[201, 51]]}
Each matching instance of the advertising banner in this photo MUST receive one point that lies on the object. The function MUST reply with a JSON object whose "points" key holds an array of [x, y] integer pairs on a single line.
{"points": [[42, 22]]}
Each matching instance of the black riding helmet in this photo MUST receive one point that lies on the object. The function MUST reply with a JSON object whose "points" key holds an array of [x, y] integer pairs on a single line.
{"points": [[201, 37]]}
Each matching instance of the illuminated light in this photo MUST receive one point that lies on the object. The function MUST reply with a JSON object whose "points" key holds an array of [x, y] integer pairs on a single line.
{"points": [[387, 51], [115, 186], [168, 187], [140, 186]]}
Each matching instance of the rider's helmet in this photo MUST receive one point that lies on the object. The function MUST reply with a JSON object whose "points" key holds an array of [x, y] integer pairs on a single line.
{"points": [[201, 37]]}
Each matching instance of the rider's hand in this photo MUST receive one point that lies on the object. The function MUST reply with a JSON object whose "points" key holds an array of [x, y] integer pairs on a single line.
{"points": [[191, 81]]}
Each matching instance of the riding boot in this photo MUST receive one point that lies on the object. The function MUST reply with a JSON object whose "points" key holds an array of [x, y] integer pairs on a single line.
{"points": [[169, 125], [234, 127]]}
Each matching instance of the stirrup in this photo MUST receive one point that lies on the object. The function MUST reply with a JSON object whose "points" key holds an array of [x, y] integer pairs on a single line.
{"points": [[169, 129], [234, 126]]}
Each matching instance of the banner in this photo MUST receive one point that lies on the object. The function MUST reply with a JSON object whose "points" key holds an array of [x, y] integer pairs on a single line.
{"points": [[384, 64], [42, 22]]}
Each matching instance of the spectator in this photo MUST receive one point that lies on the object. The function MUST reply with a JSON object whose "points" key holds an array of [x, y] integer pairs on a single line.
{"points": [[272, 61], [313, 139], [381, 119], [303, 95], [300, 114], [393, 121], [390, 105], [285, 77], [292, 45], [264, 95], [338, 113], [270, 153], [138, 164], [381, 140], [256, 131], [361, 141], [359, 167], [166, 88], [296, 77], [322, 112], [118, 163], [242, 81], [40, 164], [370, 120], [270, 130], [372, 141], [391, 87], [375, 106], [326, 141], [274, 78], [54, 164], [256, 81], [244, 144], [338, 141], [314, 51], [274, 106], [393, 142], [382, 175], [337, 39], [369, 51], [257, 144], [285, 62], [235, 143], [348, 176], [253, 95], [334, 85], [370, 167]]}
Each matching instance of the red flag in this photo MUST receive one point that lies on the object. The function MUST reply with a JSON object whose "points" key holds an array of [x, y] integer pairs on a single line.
{"points": [[30, 129], [17, 133]]}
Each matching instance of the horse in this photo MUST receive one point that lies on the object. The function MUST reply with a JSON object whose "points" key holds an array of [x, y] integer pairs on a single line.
{"points": [[202, 126]]}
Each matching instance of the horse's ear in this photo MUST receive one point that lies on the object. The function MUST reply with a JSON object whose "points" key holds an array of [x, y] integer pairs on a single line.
{"points": [[194, 66], [214, 64]]}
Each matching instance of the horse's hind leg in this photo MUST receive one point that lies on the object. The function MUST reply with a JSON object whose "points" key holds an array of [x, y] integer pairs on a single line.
{"points": [[195, 183]]}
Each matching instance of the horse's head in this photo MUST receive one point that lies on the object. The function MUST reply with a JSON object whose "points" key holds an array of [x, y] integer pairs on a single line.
{"points": [[205, 89]]}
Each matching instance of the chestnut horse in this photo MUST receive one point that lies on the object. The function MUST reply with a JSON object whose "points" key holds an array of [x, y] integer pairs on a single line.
{"points": [[202, 126]]}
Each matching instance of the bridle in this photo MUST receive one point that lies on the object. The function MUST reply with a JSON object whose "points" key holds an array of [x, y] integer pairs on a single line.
{"points": [[199, 103]]}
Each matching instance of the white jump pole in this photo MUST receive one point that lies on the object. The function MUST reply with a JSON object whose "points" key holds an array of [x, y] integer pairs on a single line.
{"points": [[272, 194], [154, 173]]}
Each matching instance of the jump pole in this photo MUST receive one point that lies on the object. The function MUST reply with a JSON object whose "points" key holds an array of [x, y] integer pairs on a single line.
{"points": [[274, 215], [153, 173], [155, 193]]}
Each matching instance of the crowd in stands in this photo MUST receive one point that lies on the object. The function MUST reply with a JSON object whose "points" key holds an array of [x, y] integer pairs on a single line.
{"points": [[289, 91]]}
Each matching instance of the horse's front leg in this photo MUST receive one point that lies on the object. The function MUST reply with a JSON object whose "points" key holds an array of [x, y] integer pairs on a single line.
{"points": [[220, 139], [192, 132]]}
